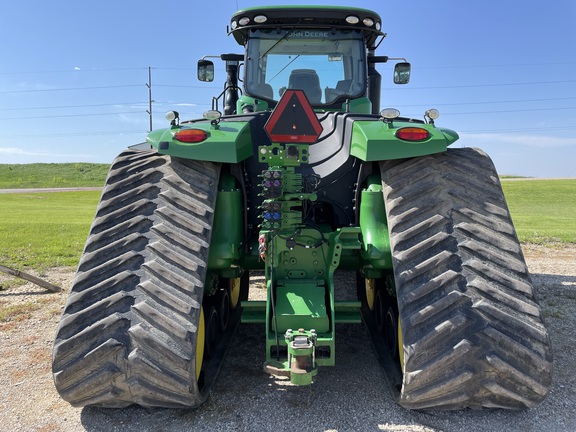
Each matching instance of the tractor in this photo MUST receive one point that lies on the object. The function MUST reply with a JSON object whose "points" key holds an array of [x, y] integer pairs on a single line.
{"points": [[296, 173]]}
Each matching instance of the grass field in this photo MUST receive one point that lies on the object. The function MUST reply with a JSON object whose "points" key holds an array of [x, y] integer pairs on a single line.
{"points": [[543, 211], [42, 175], [41, 230]]}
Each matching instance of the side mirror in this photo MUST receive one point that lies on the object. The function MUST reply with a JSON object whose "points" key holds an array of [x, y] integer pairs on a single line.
{"points": [[402, 73], [205, 70]]}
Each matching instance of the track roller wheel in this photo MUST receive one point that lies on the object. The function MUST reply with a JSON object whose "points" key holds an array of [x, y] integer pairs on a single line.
{"points": [[400, 345], [366, 290], [379, 311], [223, 303], [200, 341], [212, 330], [391, 331], [370, 292], [234, 288]]}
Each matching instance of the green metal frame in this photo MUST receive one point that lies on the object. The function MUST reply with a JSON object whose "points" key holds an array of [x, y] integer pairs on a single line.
{"points": [[228, 229]]}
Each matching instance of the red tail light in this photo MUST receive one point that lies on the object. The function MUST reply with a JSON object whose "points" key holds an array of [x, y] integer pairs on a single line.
{"points": [[191, 135], [412, 134]]}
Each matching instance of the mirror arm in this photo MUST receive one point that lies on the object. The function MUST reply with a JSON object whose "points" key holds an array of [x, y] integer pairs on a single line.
{"points": [[232, 57], [384, 59], [378, 59]]}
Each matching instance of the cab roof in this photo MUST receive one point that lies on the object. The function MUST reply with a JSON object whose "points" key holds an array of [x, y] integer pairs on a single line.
{"points": [[302, 17]]}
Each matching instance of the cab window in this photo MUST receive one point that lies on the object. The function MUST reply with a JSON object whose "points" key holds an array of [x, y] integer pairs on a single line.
{"points": [[326, 65]]}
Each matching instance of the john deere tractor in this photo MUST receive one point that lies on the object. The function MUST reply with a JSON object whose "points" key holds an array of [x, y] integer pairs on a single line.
{"points": [[296, 172]]}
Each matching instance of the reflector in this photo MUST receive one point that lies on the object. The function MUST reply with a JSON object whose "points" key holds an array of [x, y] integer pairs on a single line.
{"points": [[412, 134], [191, 135], [293, 120]]}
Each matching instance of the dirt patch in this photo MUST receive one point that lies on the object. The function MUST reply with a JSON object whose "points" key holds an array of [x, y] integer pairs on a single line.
{"points": [[349, 397]]}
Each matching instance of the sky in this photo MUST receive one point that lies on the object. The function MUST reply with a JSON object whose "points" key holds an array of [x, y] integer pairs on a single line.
{"points": [[74, 75]]}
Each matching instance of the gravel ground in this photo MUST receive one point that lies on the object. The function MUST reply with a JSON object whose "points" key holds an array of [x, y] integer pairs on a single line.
{"points": [[352, 396]]}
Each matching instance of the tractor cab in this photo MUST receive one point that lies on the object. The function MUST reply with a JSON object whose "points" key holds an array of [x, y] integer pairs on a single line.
{"points": [[326, 52]]}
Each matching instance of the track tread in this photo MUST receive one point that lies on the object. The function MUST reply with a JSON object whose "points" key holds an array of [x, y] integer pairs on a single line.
{"points": [[472, 328], [128, 331]]}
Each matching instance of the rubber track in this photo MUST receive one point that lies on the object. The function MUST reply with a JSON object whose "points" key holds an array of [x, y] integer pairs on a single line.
{"points": [[128, 331], [472, 328]]}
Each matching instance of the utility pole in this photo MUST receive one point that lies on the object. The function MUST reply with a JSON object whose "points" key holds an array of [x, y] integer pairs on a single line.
{"points": [[149, 85]]}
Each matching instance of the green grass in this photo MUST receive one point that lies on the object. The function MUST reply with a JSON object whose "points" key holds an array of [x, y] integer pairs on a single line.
{"points": [[543, 211], [40, 230], [42, 175]]}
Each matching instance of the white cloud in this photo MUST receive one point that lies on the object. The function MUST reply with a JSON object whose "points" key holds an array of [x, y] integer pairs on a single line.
{"points": [[19, 151], [540, 141], [16, 151]]}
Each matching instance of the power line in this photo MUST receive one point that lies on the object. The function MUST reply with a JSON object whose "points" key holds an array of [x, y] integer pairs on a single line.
{"points": [[72, 88], [475, 132], [490, 102], [78, 70], [70, 115], [509, 111], [483, 85], [83, 70], [197, 104], [73, 106], [187, 86], [67, 134], [482, 66]]}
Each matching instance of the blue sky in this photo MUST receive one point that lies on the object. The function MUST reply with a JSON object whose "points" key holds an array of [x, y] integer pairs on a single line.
{"points": [[73, 74]]}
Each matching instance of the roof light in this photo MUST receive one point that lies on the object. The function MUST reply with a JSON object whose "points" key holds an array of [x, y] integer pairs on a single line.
{"points": [[378, 26], [390, 113], [368, 22], [191, 135], [172, 116], [412, 134], [260, 19], [243, 21], [212, 115], [234, 25], [432, 114], [351, 19]]}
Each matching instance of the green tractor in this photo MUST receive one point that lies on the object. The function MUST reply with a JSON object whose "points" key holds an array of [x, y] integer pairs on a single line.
{"points": [[298, 175]]}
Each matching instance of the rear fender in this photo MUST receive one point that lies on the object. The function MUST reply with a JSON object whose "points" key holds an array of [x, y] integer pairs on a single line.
{"points": [[376, 140], [227, 141]]}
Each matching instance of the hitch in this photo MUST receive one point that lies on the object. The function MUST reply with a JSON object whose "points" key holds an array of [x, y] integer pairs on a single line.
{"points": [[301, 365]]}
